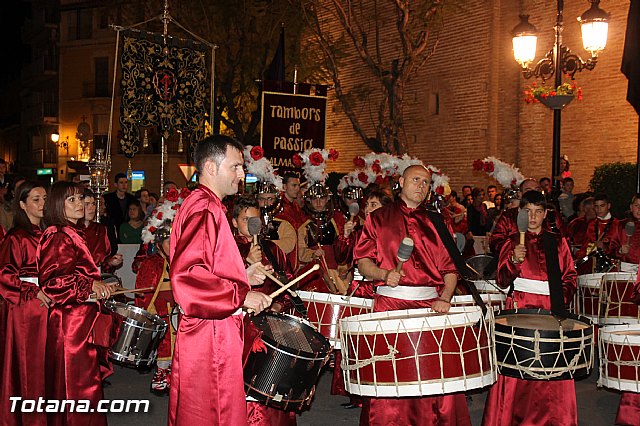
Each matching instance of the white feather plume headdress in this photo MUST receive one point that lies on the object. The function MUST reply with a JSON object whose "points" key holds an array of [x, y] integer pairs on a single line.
{"points": [[314, 163], [507, 175], [259, 166], [164, 213]]}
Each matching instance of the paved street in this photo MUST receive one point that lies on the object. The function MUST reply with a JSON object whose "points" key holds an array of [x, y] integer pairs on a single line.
{"points": [[596, 406]]}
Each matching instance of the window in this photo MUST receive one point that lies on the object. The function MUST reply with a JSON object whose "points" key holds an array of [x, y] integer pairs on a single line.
{"points": [[102, 77]]}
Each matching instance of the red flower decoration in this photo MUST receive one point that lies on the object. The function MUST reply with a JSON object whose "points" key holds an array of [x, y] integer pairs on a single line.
{"points": [[375, 167], [159, 215], [489, 167], [316, 158], [257, 153], [379, 179], [358, 162], [333, 154], [440, 190], [184, 192], [297, 160], [362, 176], [478, 165], [152, 229], [172, 195]]}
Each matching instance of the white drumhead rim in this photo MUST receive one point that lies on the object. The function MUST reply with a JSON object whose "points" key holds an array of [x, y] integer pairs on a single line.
{"points": [[486, 297], [620, 276], [612, 333], [590, 280], [436, 387], [335, 299], [620, 384], [410, 320]]}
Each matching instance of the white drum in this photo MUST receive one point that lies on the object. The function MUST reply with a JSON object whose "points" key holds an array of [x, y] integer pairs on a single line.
{"points": [[616, 304], [488, 287], [418, 352], [619, 348], [325, 310]]}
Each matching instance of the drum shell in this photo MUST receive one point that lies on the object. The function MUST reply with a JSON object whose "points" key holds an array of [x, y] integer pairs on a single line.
{"points": [[325, 310], [619, 349], [436, 353], [617, 305], [139, 337], [541, 348], [488, 287], [588, 296], [282, 376]]}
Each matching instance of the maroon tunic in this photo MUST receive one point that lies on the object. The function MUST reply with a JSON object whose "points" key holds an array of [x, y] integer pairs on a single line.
{"points": [[383, 231], [506, 225], [210, 284], [533, 402], [620, 239], [66, 270], [22, 366], [99, 245]]}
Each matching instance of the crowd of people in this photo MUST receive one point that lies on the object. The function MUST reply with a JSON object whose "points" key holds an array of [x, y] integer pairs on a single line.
{"points": [[208, 265]]}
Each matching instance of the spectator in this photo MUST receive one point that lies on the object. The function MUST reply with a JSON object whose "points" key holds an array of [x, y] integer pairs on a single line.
{"points": [[466, 191], [142, 195], [565, 199], [153, 202], [131, 231], [545, 184], [168, 185], [478, 221], [492, 190], [117, 202]]}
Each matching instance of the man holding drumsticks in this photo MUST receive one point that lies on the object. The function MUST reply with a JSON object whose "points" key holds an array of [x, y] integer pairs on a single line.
{"points": [[211, 286], [427, 279]]}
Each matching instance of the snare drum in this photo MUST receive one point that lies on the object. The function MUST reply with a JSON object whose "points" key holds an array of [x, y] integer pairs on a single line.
{"points": [[617, 306], [285, 375], [532, 344], [488, 287], [496, 300], [417, 352], [139, 337], [619, 349], [588, 296], [325, 310]]}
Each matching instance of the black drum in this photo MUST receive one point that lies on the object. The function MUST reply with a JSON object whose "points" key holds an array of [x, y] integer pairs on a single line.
{"points": [[285, 375], [532, 344]]}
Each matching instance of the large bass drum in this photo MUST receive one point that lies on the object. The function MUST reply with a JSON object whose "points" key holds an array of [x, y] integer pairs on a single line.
{"points": [[532, 344], [284, 375]]}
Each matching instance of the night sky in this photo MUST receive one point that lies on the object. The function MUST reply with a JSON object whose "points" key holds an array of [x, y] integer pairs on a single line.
{"points": [[11, 50]]}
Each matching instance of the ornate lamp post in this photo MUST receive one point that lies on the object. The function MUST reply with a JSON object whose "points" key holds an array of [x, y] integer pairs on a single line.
{"points": [[99, 168], [560, 60]]}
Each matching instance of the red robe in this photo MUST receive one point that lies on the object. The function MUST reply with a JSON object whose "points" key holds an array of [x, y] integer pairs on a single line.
{"points": [[383, 231], [99, 244], [620, 239], [506, 225], [577, 230], [152, 274], [66, 271], [210, 284], [22, 366], [609, 238], [514, 401]]}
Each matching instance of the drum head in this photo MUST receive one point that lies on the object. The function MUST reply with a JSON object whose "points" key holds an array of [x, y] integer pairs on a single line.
{"points": [[485, 265], [133, 313], [287, 331]]}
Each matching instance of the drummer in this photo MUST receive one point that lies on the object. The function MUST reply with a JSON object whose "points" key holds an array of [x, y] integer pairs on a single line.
{"points": [[523, 267], [629, 245], [154, 272], [428, 279]]}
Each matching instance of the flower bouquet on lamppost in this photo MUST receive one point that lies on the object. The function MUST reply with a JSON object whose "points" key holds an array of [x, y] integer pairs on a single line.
{"points": [[553, 97]]}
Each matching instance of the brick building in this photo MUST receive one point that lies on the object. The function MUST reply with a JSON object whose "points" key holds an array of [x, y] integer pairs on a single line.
{"points": [[466, 102]]}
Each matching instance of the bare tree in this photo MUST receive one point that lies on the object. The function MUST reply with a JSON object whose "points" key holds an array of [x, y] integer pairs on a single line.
{"points": [[363, 30]]}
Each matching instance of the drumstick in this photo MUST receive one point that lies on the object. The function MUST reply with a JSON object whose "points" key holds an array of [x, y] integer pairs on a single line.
{"points": [[275, 280], [292, 282], [126, 290], [323, 259]]}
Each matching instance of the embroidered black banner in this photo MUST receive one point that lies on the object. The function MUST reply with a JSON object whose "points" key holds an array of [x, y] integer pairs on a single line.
{"points": [[164, 85]]}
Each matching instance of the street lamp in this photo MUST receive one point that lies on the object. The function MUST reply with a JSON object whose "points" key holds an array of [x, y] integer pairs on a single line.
{"points": [[560, 60]]}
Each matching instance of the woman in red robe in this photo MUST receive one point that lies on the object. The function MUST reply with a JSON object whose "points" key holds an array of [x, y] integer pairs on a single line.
{"points": [[68, 276], [533, 402], [22, 368]]}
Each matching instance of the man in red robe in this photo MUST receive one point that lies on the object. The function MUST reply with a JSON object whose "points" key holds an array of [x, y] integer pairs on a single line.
{"points": [[211, 286], [515, 401], [602, 234], [427, 279], [629, 246], [506, 224], [577, 228]]}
